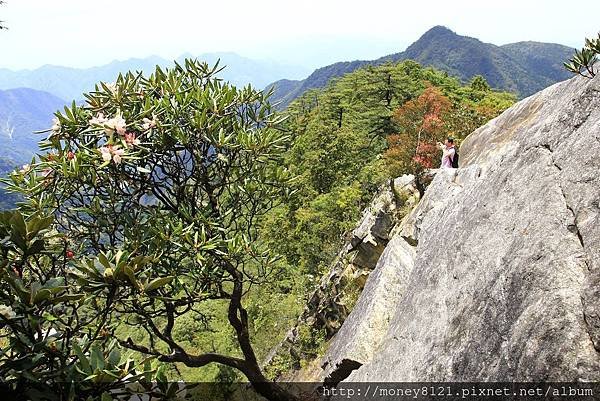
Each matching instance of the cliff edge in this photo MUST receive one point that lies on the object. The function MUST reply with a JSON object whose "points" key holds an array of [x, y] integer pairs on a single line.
{"points": [[495, 275]]}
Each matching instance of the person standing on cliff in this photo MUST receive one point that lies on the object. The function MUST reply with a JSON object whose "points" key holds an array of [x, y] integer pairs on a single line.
{"points": [[448, 152]]}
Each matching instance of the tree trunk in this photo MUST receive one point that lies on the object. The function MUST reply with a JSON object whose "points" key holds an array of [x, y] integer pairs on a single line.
{"points": [[268, 389], [238, 318]]}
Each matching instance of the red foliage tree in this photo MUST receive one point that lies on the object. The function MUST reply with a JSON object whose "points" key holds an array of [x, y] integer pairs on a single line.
{"points": [[421, 123]]}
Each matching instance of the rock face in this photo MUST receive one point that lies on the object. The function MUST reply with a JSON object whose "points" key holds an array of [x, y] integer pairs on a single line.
{"points": [[503, 283], [362, 332], [331, 302]]}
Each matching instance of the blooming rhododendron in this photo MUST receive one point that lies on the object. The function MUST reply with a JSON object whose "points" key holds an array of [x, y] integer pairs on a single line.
{"points": [[98, 120], [118, 124], [147, 123], [112, 152], [131, 140], [112, 125]]}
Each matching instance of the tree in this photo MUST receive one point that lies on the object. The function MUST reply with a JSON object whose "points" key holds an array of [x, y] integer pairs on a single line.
{"points": [[478, 83], [422, 125], [163, 182], [373, 93]]}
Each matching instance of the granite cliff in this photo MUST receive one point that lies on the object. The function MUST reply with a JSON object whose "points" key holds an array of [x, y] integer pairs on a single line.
{"points": [[495, 274]]}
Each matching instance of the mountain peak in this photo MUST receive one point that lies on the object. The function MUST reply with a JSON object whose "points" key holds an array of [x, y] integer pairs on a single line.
{"points": [[437, 31]]}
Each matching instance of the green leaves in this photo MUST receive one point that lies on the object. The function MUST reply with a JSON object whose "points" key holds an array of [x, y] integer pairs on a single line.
{"points": [[18, 231], [583, 60], [42, 292], [121, 269], [43, 345], [27, 236], [157, 283], [105, 363], [151, 181]]}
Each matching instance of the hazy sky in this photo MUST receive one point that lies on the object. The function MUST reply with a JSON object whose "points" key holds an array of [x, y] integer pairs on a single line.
{"points": [[312, 33]]}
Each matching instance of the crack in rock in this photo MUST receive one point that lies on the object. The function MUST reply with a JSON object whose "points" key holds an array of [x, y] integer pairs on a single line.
{"points": [[574, 228]]}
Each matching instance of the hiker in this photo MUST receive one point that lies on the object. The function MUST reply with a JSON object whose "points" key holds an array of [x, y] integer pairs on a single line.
{"points": [[449, 154]]}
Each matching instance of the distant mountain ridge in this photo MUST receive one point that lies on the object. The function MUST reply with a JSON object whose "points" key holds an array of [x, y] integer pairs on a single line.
{"points": [[23, 111], [523, 68], [70, 83]]}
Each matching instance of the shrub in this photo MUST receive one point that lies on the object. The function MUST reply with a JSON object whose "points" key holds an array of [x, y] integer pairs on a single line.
{"points": [[54, 338], [162, 181]]}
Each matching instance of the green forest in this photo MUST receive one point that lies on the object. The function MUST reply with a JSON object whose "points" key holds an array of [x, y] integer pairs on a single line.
{"points": [[175, 225]]}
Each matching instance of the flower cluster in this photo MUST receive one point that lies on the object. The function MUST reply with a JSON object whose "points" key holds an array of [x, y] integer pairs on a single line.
{"points": [[118, 125], [113, 152], [7, 312], [131, 140], [111, 125], [25, 169], [148, 124]]}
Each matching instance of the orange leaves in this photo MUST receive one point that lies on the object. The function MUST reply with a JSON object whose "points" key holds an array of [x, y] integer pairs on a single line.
{"points": [[425, 113], [422, 122], [426, 155]]}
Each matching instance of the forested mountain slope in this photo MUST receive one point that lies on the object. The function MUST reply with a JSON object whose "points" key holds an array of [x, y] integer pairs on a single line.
{"points": [[522, 68]]}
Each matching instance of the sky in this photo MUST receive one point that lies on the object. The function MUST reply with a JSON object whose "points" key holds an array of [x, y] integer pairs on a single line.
{"points": [[309, 33]]}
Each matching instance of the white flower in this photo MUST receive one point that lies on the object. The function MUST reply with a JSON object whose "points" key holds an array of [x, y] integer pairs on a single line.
{"points": [[117, 124], [7, 312], [117, 153], [98, 120], [105, 152], [148, 123], [113, 152], [110, 125], [56, 125], [25, 169]]}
